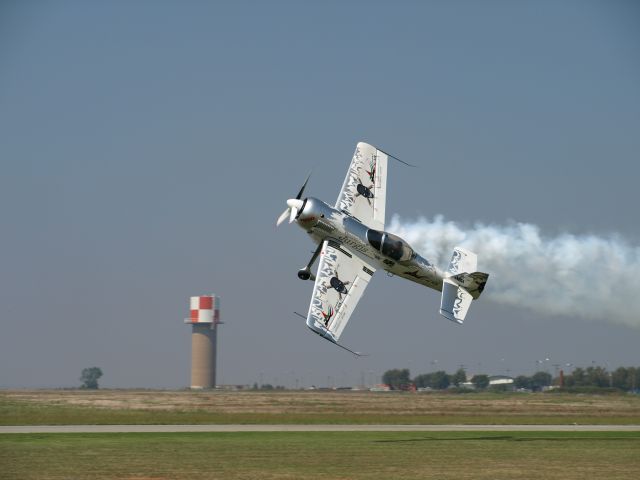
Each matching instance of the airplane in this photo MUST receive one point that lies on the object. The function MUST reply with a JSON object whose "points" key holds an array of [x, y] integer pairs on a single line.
{"points": [[352, 245]]}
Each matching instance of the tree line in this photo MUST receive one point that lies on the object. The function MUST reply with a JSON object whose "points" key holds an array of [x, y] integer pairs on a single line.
{"points": [[594, 377], [622, 378]]}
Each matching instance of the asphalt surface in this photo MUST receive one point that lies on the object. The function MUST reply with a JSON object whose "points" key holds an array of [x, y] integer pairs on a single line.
{"points": [[311, 428]]}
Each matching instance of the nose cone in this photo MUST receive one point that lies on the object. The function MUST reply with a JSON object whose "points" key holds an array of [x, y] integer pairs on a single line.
{"points": [[295, 203], [309, 215]]}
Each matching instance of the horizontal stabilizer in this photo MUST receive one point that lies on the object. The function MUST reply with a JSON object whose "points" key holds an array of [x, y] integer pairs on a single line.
{"points": [[455, 301]]}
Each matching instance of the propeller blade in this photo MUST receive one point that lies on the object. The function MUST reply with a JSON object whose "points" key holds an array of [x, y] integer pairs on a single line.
{"points": [[299, 196], [295, 206], [283, 216]]}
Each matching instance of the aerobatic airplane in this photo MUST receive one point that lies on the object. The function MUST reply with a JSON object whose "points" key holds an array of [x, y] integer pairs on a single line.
{"points": [[352, 245]]}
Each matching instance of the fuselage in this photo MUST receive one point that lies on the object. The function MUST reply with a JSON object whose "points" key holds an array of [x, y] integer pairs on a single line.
{"points": [[390, 252]]}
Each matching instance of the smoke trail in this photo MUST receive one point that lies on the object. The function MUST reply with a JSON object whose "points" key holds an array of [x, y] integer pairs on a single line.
{"points": [[587, 276]]}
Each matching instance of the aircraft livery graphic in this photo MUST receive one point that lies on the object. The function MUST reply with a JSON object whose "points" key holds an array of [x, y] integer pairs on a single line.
{"points": [[352, 245]]}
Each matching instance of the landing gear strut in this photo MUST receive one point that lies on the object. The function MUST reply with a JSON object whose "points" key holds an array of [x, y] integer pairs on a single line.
{"points": [[305, 273]]}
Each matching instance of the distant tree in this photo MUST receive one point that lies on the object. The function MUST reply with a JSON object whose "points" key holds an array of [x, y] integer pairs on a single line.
{"points": [[598, 377], [577, 378], [396, 378], [459, 377], [423, 381], [440, 380], [480, 381], [522, 381], [437, 380], [540, 379], [89, 378], [620, 378], [625, 378]]}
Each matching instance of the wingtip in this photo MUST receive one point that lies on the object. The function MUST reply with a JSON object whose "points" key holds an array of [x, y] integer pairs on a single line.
{"points": [[451, 317], [357, 354], [396, 158], [331, 340]]}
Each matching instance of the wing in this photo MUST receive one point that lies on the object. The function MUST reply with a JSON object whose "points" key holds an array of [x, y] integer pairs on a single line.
{"points": [[340, 282], [364, 190]]}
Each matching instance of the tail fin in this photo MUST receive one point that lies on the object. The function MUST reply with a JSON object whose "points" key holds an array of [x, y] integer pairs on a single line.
{"points": [[463, 285], [462, 261]]}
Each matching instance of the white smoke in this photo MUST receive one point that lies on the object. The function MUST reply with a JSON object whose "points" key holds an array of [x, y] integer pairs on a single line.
{"points": [[573, 275]]}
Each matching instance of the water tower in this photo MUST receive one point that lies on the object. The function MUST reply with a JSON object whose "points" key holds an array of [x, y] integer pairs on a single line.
{"points": [[204, 320]]}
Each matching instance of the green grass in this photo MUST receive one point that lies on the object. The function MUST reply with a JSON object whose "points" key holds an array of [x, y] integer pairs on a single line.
{"points": [[331, 455]]}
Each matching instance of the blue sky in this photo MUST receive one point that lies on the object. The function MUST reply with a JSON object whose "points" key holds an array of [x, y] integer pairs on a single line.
{"points": [[148, 147]]}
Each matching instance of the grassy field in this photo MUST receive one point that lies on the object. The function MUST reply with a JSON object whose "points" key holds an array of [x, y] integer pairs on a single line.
{"points": [[321, 455], [59, 407]]}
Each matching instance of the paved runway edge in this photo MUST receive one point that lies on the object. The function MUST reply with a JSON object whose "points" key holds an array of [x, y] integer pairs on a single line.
{"points": [[311, 428]]}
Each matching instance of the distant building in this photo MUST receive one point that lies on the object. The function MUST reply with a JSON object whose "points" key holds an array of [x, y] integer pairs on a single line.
{"points": [[500, 380], [382, 387]]}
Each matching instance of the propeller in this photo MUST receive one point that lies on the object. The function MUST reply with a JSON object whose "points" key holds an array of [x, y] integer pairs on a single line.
{"points": [[294, 205]]}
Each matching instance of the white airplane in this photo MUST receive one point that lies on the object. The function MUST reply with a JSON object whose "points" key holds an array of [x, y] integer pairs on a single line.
{"points": [[352, 244]]}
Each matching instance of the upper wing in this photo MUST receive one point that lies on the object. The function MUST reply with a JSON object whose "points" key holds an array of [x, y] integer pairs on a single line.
{"points": [[340, 282], [364, 190]]}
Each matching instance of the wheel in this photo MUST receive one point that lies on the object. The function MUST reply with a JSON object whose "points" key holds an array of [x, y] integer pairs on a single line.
{"points": [[304, 274]]}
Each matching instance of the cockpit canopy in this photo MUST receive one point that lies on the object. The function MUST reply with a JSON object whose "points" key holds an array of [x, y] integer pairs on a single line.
{"points": [[390, 245]]}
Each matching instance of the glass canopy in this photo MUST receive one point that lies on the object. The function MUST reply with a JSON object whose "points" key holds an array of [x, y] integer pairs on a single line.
{"points": [[390, 245]]}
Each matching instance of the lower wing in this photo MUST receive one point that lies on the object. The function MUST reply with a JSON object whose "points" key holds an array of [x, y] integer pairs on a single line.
{"points": [[340, 282]]}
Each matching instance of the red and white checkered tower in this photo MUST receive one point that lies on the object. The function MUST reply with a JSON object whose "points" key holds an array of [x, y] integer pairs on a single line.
{"points": [[204, 320]]}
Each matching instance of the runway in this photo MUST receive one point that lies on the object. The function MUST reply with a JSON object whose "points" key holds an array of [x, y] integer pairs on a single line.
{"points": [[311, 428]]}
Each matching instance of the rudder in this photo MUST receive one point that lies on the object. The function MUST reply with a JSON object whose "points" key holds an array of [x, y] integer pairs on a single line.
{"points": [[462, 261]]}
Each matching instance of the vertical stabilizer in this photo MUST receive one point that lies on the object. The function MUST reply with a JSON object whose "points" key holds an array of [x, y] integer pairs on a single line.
{"points": [[462, 261]]}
